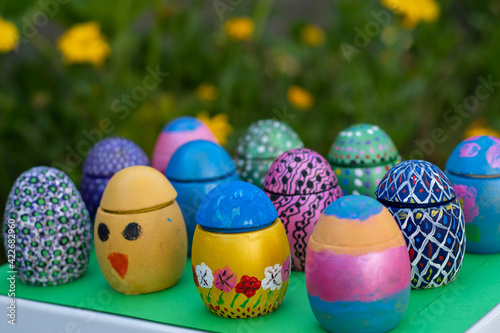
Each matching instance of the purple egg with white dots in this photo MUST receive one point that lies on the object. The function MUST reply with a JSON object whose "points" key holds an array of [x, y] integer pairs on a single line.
{"points": [[105, 159], [300, 184]]}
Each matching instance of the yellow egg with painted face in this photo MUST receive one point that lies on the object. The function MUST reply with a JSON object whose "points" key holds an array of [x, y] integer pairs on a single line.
{"points": [[140, 235]]}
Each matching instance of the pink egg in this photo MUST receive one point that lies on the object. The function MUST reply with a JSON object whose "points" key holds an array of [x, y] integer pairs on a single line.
{"points": [[301, 184], [177, 132]]}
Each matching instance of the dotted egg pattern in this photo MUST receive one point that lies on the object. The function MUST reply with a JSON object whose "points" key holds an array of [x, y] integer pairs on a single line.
{"points": [[262, 143], [53, 229], [362, 145], [105, 159], [301, 185]]}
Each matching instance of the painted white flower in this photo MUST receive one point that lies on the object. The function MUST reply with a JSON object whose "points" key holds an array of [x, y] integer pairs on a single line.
{"points": [[205, 276], [273, 278]]}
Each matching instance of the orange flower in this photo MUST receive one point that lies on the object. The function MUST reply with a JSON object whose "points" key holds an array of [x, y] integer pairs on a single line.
{"points": [[300, 98]]}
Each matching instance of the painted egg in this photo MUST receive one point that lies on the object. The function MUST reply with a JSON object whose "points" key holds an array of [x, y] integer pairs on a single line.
{"points": [[241, 257], [141, 241], [357, 267], [105, 159], [474, 171], [423, 202], [194, 170], [263, 141], [47, 227], [301, 184], [177, 132], [360, 156]]}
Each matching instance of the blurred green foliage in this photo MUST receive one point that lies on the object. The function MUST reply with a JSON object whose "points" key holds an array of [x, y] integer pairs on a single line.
{"points": [[402, 80]]}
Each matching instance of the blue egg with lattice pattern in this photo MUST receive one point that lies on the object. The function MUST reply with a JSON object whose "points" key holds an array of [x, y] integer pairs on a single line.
{"points": [[47, 228], [423, 202], [106, 158]]}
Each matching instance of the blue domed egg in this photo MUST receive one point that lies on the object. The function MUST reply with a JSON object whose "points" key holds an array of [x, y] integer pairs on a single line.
{"points": [[423, 202], [194, 170], [106, 158], [474, 171], [48, 226]]}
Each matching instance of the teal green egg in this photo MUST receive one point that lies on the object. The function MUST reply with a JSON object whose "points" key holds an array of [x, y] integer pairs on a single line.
{"points": [[360, 156], [263, 141]]}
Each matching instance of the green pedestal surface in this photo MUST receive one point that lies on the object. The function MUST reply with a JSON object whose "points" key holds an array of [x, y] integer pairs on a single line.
{"points": [[452, 308]]}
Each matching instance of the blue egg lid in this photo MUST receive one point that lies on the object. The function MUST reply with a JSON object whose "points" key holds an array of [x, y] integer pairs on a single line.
{"points": [[354, 207], [184, 123], [476, 156], [235, 207], [415, 182], [200, 160]]}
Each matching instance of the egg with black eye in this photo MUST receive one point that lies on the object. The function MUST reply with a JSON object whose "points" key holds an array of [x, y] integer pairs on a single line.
{"points": [[141, 240], [47, 228]]}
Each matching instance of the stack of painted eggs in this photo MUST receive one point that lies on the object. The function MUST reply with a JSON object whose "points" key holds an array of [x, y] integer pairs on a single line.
{"points": [[361, 253]]}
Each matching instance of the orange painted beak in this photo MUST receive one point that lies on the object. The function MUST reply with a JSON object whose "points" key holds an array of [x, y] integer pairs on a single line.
{"points": [[119, 261]]}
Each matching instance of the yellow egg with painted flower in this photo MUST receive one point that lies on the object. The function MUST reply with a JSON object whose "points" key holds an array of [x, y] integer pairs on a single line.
{"points": [[240, 256]]}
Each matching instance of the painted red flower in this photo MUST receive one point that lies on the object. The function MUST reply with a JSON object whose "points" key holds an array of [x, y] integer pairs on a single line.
{"points": [[195, 278], [248, 286]]}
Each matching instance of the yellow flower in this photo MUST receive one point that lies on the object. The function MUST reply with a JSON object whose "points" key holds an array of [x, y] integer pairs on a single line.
{"points": [[207, 92], [10, 36], [414, 11], [84, 43], [239, 28], [312, 35], [300, 98], [480, 127], [218, 124]]}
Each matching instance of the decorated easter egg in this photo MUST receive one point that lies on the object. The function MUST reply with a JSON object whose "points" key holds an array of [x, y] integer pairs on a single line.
{"points": [[47, 228], [360, 156], [474, 171], [140, 242], [301, 184], [263, 141], [105, 159], [423, 202], [357, 267], [177, 132], [240, 257], [194, 170]]}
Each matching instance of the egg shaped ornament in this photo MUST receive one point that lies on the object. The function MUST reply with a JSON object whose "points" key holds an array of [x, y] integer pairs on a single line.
{"points": [[141, 241], [263, 141], [423, 202], [360, 156], [177, 132], [47, 228], [106, 158], [300, 184], [357, 267], [194, 170], [474, 171], [240, 257]]}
